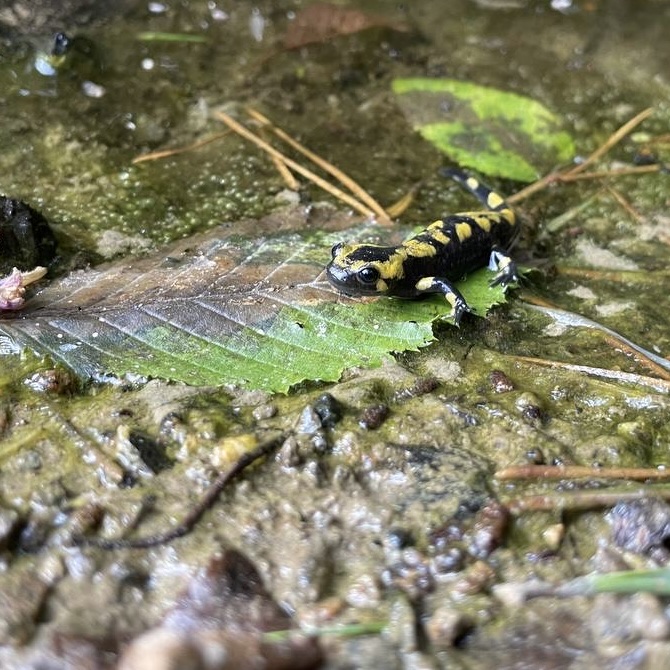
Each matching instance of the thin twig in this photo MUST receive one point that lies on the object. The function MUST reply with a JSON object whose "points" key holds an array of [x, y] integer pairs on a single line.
{"points": [[603, 174], [191, 519], [574, 174], [654, 362], [296, 167], [613, 139], [579, 472], [343, 178], [643, 276], [166, 153], [660, 385], [582, 500]]}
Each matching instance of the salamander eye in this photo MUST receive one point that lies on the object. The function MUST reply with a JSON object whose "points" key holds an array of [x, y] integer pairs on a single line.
{"points": [[336, 249], [368, 275]]}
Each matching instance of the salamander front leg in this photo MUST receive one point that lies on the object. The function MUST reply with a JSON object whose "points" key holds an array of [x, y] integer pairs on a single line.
{"points": [[504, 266], [452, 294]]}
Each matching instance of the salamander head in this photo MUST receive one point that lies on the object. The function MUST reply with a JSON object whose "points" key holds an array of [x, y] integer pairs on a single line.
{"points": [[364, 269]]}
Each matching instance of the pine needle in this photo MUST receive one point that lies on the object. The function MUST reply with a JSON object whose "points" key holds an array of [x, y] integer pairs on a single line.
{"points": [[343, 178], [579, 501], [604, 174], [296, 167], [612, 140], [576, 173], [166, 153], [641, 276], [657, 581], [529, 471], [290, 181], [660, 385], [657, 364], [399, 207]]}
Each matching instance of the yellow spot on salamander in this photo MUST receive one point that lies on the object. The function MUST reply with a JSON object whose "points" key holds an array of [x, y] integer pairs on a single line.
{"points": [[436, 231], [424, 283], [440, 237], [472, 183], [484, 222], [463, 231], [418, 249], [393, 268], [494, 200]]}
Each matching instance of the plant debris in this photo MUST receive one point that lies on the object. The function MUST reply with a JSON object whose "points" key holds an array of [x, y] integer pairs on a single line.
{"points": [[13, 287], [324, 21]]}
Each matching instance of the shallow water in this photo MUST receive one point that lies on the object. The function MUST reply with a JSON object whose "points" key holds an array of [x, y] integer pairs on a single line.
{"points": [[317, 521]]}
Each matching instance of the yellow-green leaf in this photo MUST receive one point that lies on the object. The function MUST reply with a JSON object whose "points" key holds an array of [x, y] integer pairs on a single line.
{"points": [[495, 132]]}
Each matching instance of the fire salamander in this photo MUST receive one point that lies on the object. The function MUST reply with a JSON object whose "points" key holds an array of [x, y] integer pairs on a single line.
{"points": [[442, 253]]}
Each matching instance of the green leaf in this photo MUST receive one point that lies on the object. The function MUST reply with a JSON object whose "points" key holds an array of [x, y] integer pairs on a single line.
{"points": [[495, 132], [247, 309], [630, 581]]}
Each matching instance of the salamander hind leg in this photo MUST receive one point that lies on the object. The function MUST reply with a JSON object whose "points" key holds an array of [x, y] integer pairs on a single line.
{"points": [[449, 291], [505, 268]]}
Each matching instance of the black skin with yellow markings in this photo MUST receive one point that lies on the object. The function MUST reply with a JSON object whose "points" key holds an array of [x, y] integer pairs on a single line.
{"points": [[429, 262]]}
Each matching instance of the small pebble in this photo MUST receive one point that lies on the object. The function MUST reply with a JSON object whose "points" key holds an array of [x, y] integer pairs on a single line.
{"points": [[500, 382], [329, 409], [446, 626], [265, 411], [373, 416]]}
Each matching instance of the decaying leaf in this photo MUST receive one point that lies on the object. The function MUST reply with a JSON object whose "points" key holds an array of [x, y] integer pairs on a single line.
{"points": [[323, 21], [495, 132], [246, 304]]}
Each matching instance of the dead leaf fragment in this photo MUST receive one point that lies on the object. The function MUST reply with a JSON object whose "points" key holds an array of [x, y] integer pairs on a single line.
{"points": [[324, 21]]}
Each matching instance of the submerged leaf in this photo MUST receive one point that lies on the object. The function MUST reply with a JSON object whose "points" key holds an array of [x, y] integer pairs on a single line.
{"points": [[323, 21], [249, 306], [497, 133]]}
